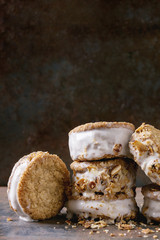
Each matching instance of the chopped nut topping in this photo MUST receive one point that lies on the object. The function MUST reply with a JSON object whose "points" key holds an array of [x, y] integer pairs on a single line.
{"points": [[116, 170], [92, 185], [117, 148]]}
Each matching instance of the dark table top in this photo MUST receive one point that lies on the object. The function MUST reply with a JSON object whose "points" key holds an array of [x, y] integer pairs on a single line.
{"points": [[56, 228]]}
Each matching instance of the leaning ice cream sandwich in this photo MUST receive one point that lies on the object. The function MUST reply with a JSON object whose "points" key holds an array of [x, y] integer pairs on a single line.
{"points": [[93, 141], [103, 189], [151, 205], [36, 187], [145, 147]]}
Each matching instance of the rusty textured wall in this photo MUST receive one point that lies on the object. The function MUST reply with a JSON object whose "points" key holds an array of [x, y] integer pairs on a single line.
{"points": [[64, 63]]}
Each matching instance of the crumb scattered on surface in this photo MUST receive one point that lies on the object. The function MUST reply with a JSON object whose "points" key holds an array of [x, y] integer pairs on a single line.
{"points": [[92, 224], [106, 230], [9, 219], [126, 226], [112, 235], [74, 226], [68, 222], [121, 234], [155, 236], [147, 231], [143, 224]]}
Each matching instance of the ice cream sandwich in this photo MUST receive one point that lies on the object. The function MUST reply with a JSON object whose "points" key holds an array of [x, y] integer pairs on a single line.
{"points": [[151, 205], [145, 147], [36, 187]]}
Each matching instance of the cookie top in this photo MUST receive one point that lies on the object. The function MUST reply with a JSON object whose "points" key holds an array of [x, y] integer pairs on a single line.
{"points": [[36, 187], [97, 125], [151, 191]]}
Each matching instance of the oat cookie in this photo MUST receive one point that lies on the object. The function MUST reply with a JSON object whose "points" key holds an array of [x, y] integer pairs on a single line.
{"points": [[36, 187]]}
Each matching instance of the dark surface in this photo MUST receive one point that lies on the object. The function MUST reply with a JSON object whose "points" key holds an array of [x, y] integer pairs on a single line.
{"points": [[20, 230], [64, 63]]}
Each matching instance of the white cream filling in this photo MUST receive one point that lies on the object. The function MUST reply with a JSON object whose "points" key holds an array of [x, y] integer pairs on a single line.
{"points": [[96, 143], [12, 193], [152, 208], [94, 208]]}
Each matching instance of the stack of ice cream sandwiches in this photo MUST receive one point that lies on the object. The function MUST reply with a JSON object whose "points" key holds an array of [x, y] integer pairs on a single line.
{"points": [[145, 147], [103, 181]]}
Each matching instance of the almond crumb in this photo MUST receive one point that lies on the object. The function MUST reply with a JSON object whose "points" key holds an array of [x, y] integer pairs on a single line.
{"points": [[106, 231], [91, 232], [121, 234], [124, 226], [143, 224], [68, 222], [155, 236], [9, 219], [74, 226], [147, 231], [112, 235]]}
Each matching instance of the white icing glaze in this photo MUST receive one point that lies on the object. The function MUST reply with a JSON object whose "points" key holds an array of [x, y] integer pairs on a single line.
{"points": [[12, 193], [96, 143], [94, 208], [151, 208]]}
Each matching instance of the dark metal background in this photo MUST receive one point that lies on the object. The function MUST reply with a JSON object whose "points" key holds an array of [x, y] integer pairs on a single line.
{"points": [[64, 63]]}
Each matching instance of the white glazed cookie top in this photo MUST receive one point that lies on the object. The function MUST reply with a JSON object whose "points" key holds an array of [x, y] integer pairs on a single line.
{"points": [[99, 143]]}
